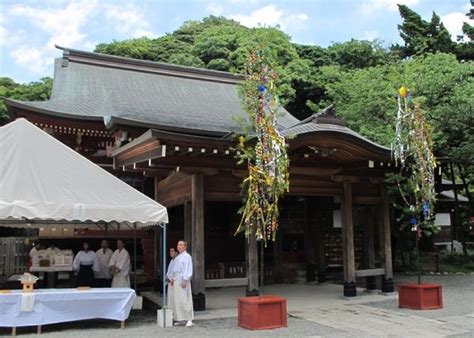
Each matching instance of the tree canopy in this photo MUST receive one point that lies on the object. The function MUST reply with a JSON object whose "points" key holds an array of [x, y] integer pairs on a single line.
{"points": [[34, 91]]}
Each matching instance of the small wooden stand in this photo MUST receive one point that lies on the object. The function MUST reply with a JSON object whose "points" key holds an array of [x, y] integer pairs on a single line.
{"points": [[262, 312], [420, 296]]}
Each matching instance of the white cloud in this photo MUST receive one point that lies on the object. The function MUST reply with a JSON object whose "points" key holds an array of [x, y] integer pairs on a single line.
{"points": [[371, 35], [215, 9], [128, 20], [370, 6], [61, 26], [271, 15], [30, 57], [63, 23], [453, 23]]}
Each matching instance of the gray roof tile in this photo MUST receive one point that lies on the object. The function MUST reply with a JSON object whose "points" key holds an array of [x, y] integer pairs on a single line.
{"points": [[92, 90]]}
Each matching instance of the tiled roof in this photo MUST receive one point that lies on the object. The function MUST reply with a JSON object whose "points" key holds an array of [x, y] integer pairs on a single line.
{"points": [[91, 86]]}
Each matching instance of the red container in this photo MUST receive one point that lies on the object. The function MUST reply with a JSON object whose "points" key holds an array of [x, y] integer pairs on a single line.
{"points": [[262, 312], [420, 296]]}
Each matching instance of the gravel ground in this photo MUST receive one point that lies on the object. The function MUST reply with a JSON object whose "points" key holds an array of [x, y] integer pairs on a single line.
{"points": [[458, 295], [144, 325]]}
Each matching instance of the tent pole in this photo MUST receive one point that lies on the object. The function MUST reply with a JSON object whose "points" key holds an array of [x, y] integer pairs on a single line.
{"points": [[165, 300], [135, 255]]}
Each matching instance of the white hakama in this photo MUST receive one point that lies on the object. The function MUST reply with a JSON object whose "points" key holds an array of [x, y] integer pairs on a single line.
{"points": [[121, 260], [182, 299], [169, 278]]}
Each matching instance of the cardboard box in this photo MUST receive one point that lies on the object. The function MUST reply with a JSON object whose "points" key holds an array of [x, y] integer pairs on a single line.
{"points": [[67, 232], [44, 232]]}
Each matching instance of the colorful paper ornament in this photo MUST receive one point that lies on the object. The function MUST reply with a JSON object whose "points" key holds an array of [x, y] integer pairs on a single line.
{"points": [[412, 148], [403, 91], [267, 162]]}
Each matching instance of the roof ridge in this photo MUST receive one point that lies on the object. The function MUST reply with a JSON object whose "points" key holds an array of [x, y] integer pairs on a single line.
{"points": [[147, 66]]}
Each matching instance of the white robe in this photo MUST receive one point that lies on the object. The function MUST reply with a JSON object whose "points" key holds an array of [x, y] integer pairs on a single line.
{"points": [[182, 298], [121, 260], [85, 258], [103, 258], [34, 256], [169, 277]]}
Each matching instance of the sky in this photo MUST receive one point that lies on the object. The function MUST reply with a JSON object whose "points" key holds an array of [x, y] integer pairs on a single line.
{"points": [[29, 30]]}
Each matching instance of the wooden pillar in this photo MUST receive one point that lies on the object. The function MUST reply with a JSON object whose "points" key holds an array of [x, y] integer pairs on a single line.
{"points": [[369, 248], [321, 246], [387, 280], [309, 245], [188, 225], [251, 257], [348, 242], [197, 242]]}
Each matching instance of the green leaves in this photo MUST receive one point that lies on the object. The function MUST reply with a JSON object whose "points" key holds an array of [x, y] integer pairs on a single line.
{"points": [[34, 91], [421, 36]]}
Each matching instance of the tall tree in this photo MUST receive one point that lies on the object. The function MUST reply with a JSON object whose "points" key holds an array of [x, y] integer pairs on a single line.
{"points": [[421, 36]]}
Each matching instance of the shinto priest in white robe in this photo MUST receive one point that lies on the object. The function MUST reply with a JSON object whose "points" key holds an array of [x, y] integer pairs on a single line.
{"points": [[120, 260], [181, 302], [169, 278]]}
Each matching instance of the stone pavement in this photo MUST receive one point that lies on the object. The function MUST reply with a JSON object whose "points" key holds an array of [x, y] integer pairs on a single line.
{"points": [[368, 315], [368, 321], [314, 311]]}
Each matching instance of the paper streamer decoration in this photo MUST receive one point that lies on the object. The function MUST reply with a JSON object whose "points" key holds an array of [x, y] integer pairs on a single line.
{"points": [[267, 160]]}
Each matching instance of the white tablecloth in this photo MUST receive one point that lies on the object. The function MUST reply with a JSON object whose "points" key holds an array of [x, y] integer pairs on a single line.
{"points": [[65, 305]]}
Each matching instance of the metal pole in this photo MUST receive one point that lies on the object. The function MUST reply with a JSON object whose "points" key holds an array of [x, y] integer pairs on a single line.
{"points": [[165, 300], [135, 255], [261, 267], [418, 258]]}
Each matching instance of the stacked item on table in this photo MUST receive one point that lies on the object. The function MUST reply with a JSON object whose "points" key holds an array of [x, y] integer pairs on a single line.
{"points": [[54, 258]]}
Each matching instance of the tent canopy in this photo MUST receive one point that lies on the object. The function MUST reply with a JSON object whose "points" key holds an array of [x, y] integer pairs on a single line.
{"points": [[43, 179]]}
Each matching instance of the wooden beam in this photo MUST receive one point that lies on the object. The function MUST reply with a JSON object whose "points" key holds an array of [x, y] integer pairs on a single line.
{"points": [[217, 162], [222, 196], [343, 178], [366, 200], [225, 282], [174, 190], [315, 171], [144, 155], [370, 272]]}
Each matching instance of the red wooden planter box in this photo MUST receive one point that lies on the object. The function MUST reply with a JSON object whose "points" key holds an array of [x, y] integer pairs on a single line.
{"points": [[262, 312], [420, 296]]}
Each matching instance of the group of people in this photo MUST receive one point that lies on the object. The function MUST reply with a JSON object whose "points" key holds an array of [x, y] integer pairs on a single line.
{"points": [[178, 277], [105, 268], [102, 268]]}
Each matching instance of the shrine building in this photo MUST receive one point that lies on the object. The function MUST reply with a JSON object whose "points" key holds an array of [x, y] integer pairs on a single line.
{"points": [[170, 132]]}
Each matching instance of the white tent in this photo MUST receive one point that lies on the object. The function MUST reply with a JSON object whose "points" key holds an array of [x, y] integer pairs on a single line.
{"points": [[43, 179]]}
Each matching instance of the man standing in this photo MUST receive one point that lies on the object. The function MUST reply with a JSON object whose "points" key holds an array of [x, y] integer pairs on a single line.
{"points": [[182, 271], [103, 276], [120, 265], [169, 279]]}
